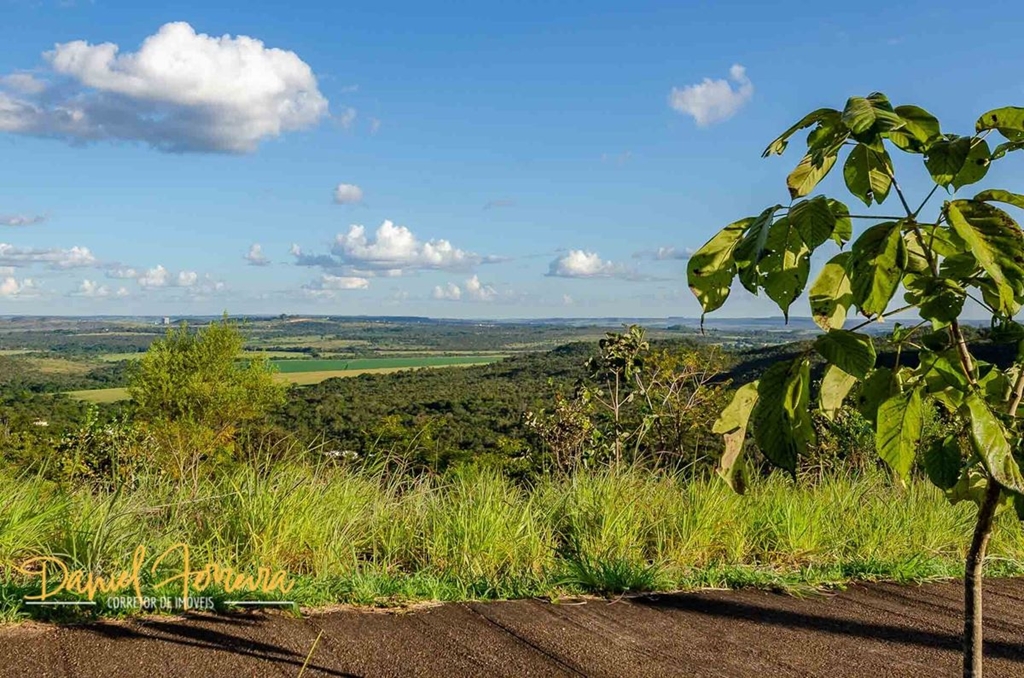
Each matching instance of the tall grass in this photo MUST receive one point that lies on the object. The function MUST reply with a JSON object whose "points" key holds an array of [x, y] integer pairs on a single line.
{"points": [[346, 535]]}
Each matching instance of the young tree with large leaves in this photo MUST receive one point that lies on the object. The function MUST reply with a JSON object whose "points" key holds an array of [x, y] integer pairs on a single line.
{"points": [[967, 248]]}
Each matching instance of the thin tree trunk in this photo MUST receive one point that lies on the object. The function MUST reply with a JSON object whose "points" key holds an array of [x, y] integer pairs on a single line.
{"points": [[973, 580]]}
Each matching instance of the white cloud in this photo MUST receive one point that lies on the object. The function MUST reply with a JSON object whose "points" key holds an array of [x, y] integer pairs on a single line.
{"points": [[340, 282], [21, 219], [665, 254], [121, 272], [12, 288], [479, 291], [187, 278], [472, 290], [255, 257], [154, 277], [374, 125], [181, 91], [326, 286], [92, 289], [449, 292], [23, 82], [582, 264], [75, 257], [348, 194], [713, 101], [390, 251]]}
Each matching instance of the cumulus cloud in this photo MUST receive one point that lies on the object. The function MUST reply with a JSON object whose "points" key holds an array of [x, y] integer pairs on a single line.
{"points": [[12, 288], [665, 254], [75, 257], [389, 251], [348, 194], [92, 289], [583, 264], [472, 290], [187, 278], [118, 271], [181, 91], [713, 101], [154, 277], [21, 219], [255, 257]]}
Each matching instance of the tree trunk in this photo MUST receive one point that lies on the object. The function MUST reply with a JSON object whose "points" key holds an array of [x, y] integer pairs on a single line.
{"points": [[973, 580]]}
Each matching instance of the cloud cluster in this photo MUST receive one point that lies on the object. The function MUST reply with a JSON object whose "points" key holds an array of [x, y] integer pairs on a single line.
{"points": [[389, 251], [93, 290], [713, 101], [472, 290], [21, 219], [12, 288], [55, 258], [181, 91], [255, 256]]}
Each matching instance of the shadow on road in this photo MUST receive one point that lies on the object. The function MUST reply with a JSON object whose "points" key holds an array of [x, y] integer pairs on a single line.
{"points": [[760, 614]]}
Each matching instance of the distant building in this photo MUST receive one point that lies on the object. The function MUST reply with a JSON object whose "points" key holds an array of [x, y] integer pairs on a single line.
{"points": [[167, 321]]}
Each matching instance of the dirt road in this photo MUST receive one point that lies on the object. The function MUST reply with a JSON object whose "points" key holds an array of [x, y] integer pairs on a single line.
{"points": [[871, 631]]}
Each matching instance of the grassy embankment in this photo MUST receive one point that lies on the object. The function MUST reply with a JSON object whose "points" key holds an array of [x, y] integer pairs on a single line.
{"points": [[304, 372], [350, 536]]}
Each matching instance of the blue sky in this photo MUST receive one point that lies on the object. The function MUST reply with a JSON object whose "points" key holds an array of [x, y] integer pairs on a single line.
{"points": [[503, 159]]}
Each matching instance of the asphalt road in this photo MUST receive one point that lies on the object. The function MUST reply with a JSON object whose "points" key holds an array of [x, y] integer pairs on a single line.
{"points": [[872, 631]]}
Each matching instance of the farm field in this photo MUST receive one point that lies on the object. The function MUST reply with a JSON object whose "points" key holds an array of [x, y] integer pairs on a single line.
{"points": [[307, 372]]}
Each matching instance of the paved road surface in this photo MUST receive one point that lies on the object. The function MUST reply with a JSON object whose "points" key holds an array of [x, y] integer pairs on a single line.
{"points": [[872, 631]]}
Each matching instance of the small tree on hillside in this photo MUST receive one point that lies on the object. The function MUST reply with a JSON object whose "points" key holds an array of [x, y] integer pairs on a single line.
{"points": [[967, 249], [195, 389]]}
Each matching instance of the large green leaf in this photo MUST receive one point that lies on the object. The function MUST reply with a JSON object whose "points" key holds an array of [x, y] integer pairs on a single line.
{"points": [[843, 229], [868, 174], [920, 128], [711, 269], [830, 295], [879, 258], [822, 116], [988, 438], [945, 159], [879, 386], [898, 432], [835, 386], [1009, 121], [781, 417], [996, 195], [975, 166], [996, 242], [732, 424], [809, 172], [869, 116], [943, 461], [815, 220], [785, 265], [849, 351], [751, 248]]}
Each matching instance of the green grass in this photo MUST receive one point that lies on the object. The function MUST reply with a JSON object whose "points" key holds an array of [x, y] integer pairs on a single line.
{"points": [[351, 536], [291, 366]]}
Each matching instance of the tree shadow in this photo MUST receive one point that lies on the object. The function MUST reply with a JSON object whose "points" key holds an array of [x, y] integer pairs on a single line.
{"points": [[190, 635], [836, 625]]}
